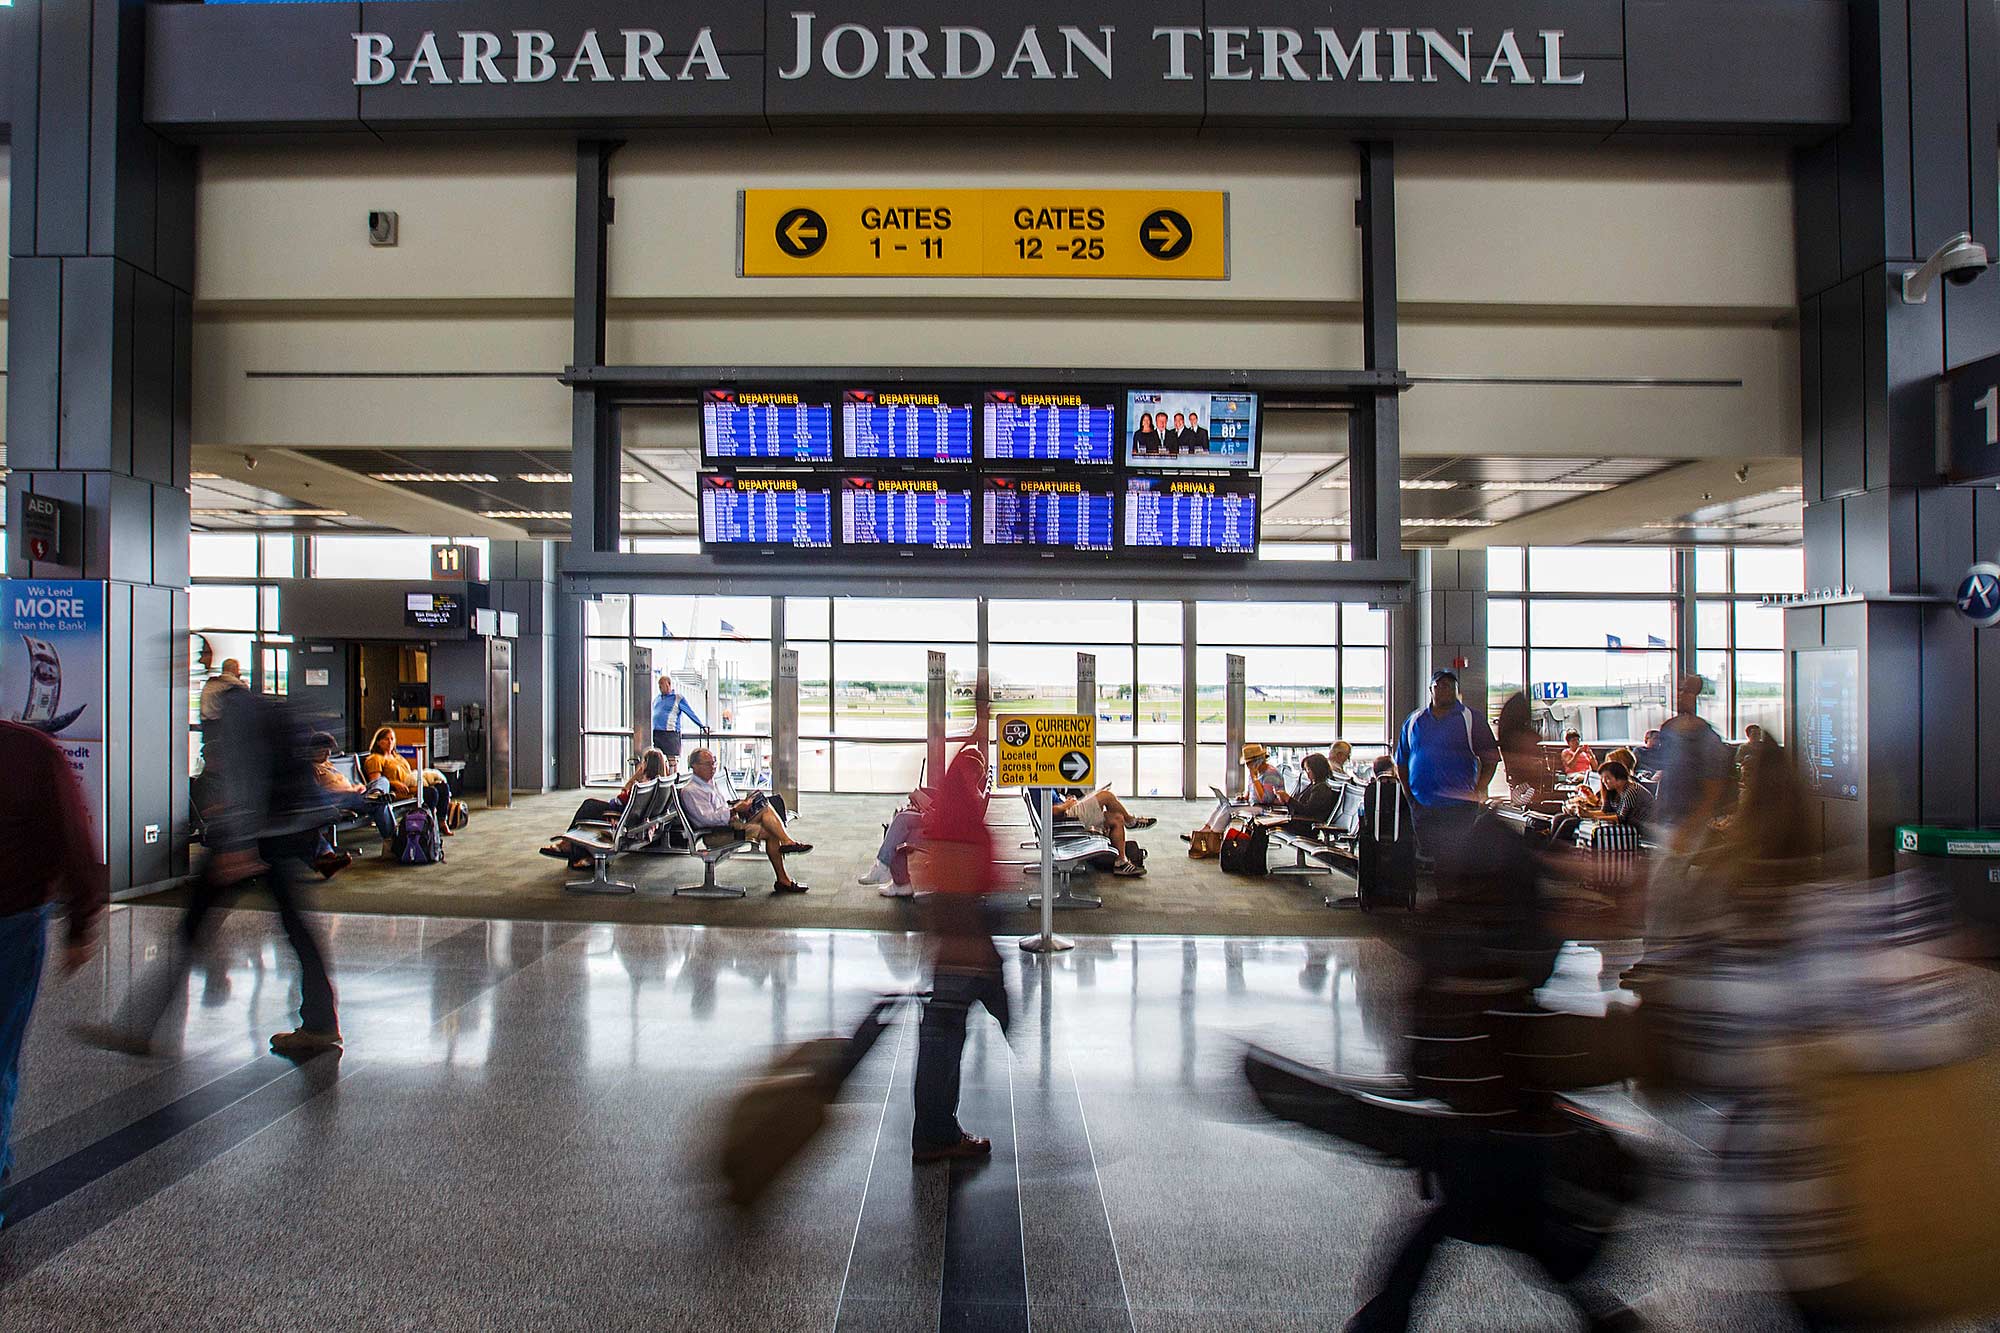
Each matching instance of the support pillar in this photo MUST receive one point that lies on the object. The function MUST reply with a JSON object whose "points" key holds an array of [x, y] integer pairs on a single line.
{"points": [[1914, 167], [1448, 616], [100, 357]]}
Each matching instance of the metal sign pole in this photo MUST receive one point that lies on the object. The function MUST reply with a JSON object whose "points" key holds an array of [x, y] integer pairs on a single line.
{"points": [[785, 730], [936, 692], [1233, 707], [1086, 684], [1048, 941]]}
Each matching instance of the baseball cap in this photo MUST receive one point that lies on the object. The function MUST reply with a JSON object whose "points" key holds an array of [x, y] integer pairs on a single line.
{"points": [[1444, 673]]}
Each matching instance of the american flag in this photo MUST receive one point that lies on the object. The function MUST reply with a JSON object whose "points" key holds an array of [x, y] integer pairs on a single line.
{"points": [[731, 631]]}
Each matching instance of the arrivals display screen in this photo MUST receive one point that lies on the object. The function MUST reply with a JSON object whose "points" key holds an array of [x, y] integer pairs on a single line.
{"points": [[1195, 430], [793, 512], [434, 610], [1048, 513], [931, 513], [1026, 427], [906, 425], [1217, 514], [740, 425]]}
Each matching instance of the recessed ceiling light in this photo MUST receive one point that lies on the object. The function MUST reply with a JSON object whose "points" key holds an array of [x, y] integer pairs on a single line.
{"points": [[661, 515], [1427, 485], [220, 513], [1548, 487], [564, 478], [204, 476], [527, 514], [406, 477], [1450, 522], [300, 513]]}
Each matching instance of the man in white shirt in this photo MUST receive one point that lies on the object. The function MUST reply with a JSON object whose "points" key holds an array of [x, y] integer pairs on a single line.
{"points": [[711, 813], [223, 681]]}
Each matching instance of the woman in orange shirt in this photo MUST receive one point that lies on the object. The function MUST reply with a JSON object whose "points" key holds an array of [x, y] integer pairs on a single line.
{"points": [[1577, 758], [384, 764]]}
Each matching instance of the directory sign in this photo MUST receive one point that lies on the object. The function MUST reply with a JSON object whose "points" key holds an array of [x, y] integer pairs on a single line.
{"points": [[1827, 691], [1198, 430], [793, 512], [740, 424], [1191, 514], [1048, 513], [1050, 427], [911, 426], [926, 512]]}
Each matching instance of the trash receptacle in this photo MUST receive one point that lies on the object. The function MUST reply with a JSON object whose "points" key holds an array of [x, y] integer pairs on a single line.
{"points": [[1966, 862]]}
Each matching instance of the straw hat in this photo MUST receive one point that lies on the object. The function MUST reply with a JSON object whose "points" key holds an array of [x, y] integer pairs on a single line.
{"points": [[1253, 752]]}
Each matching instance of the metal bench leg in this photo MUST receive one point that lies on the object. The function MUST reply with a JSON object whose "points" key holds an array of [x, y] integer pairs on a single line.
{"points": [[708, 888], [1302, 869], [600, 881], [1067, 898]]}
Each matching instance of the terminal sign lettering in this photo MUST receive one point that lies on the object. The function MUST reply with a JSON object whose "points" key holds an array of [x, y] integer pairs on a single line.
{"points": [[1046, 750]]}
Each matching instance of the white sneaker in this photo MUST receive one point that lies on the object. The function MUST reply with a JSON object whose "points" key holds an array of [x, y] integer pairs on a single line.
{"points": [[899, 891], [877, 874]]}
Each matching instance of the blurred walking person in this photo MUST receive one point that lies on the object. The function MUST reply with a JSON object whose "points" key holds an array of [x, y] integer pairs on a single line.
{"points": [[45, 852], [263, 824], [965, 967]]}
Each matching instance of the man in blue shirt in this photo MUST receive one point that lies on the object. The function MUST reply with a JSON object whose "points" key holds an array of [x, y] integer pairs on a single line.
{"points": [[1447, 756], [669, 706]]}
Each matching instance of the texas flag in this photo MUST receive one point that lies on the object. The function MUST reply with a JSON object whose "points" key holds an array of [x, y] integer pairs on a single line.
{"points": [[1612, 643]]}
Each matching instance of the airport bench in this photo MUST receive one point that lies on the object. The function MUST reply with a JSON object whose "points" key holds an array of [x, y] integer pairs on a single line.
{"points": [[1078, 851], [346, 821], [1329, 846], [693, 841], [638, 824]]}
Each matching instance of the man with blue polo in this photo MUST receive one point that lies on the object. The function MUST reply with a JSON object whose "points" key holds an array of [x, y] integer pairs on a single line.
{"points": [[1447, 756], [669, 706]]}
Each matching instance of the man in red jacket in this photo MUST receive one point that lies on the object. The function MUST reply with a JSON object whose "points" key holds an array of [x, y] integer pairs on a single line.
{"points": [[46, 855]]}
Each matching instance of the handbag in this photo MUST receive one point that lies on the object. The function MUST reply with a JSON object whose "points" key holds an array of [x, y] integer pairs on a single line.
{"points": [[1204, 844], [1246, 851]]}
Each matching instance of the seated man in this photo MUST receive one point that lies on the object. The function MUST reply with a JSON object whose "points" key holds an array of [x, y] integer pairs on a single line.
{"points": [[717, 820], [1341, 759], [351, 796], [1625, 801], [1101, 812]]}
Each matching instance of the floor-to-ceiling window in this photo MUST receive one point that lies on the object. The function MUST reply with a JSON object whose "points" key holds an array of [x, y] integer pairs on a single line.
{"points": [[233, 614], [1739, 644]]}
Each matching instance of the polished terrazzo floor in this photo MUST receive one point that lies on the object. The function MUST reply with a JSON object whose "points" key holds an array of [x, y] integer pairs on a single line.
{"points": [[520, 1136]]}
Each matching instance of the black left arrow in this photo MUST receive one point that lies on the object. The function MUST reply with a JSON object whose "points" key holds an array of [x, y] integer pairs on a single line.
{"points": [[801, 233]]}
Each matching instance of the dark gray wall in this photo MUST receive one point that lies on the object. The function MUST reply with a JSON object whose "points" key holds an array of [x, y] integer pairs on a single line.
{"points": [[1916, 164], [100, 322], [1650, 66], [353, 609]]}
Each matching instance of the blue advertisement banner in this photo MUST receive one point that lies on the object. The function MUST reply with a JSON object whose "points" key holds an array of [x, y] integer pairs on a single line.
{"points": [[52, 674]]}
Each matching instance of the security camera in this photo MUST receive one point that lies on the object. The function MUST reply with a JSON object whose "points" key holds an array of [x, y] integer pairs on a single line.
{"points": [[383, 228], [1959, 260]]}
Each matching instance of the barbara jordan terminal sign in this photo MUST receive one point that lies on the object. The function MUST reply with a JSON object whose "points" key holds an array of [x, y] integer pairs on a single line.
{"points": [[1777, 66]]}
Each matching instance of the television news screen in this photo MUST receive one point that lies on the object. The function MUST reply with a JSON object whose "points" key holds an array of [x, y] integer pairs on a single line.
{"points": [[930, 513], [769, 426], [1049, 513], [1191, 429], [779, 510], [1192, 514], [1030, 427], [905, 426]]}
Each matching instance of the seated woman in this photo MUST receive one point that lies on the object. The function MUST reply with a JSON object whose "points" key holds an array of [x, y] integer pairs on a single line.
{"points": [[1262, 783], [1314, 803], [1101, 812], [892, 860], [652, 767], [383, 764], [1577, 758], [1587, 801]]}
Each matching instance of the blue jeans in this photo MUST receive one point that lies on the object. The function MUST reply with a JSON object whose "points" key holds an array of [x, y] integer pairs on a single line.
{"points": [[378, 811], [24, 944]]}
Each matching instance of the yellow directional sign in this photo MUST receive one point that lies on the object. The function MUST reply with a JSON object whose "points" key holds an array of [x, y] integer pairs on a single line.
{"points": [[1002, 233], [1046, 750]]}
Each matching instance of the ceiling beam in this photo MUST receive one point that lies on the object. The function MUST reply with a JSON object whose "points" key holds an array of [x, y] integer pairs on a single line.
{"points": [[321, 485], [1662, 497]]}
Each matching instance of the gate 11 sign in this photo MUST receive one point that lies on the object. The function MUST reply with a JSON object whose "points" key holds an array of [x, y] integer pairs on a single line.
{"points": [[1046, 750], [1972, 421]]}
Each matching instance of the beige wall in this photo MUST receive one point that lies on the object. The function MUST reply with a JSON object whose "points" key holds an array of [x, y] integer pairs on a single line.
{"points": [[1514, 261]]}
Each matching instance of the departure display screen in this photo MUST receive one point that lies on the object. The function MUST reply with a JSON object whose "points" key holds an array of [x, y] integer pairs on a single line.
{"points": [[777, 426], [927, 512], [1047, 513], [1195, 430], [1191, 514], [1049, 428], [434, 610], [911, 426], [793, 512]]}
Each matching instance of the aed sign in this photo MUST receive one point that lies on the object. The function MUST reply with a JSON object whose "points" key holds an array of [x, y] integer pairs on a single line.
{"points": [[46, 525], [1046, 750], [1004, 233]]}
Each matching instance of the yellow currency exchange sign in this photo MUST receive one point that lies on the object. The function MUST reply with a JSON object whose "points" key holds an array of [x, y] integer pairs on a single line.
{"points": [[1046, 750], [1003, 233]]}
